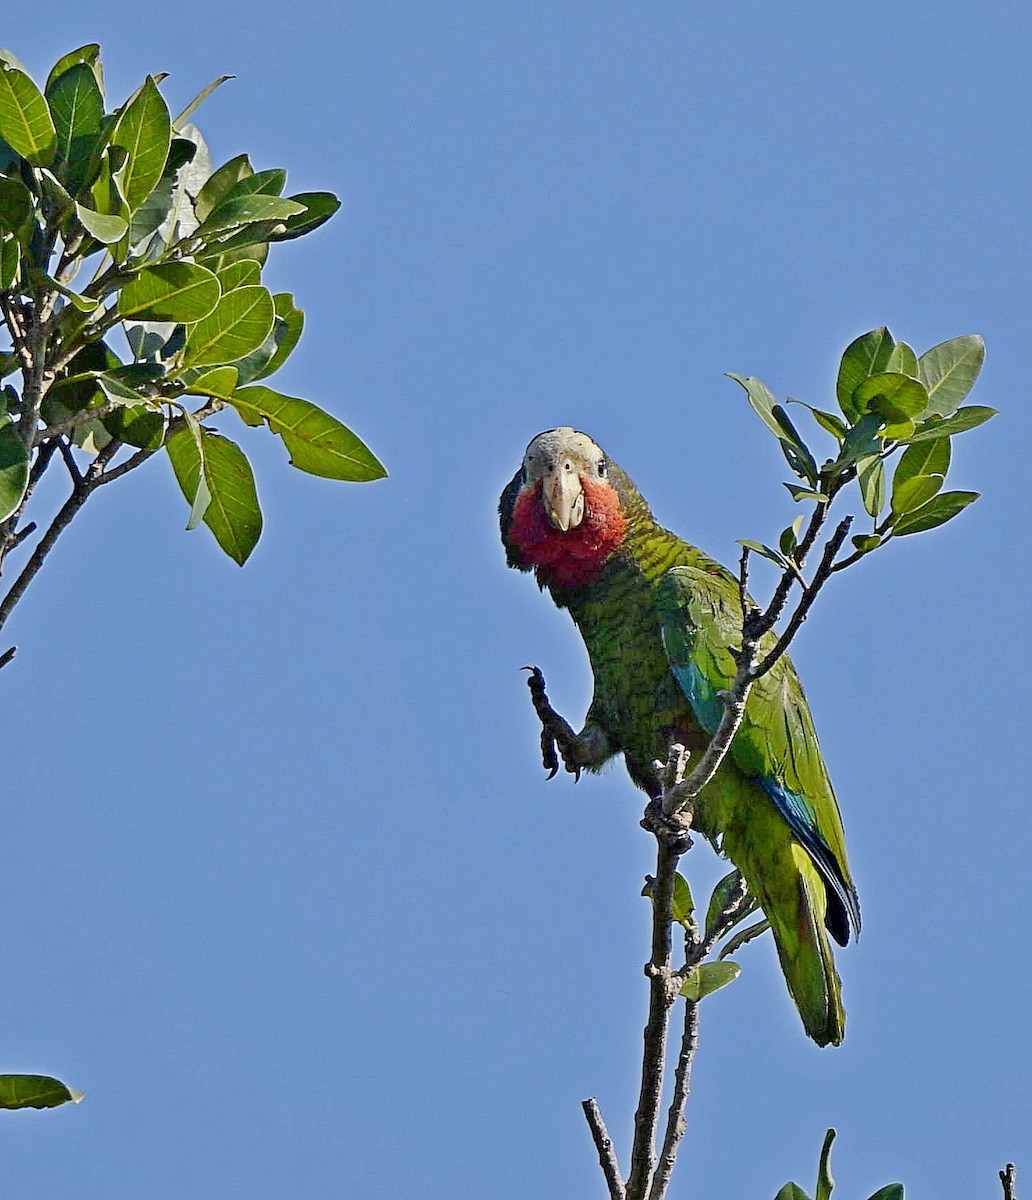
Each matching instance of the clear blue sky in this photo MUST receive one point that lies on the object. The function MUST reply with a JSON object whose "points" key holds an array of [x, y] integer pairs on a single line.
{"points": [[286, 893]]}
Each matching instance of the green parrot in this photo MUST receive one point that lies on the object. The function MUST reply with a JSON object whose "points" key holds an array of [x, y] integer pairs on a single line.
{"points": [[660, 620]]}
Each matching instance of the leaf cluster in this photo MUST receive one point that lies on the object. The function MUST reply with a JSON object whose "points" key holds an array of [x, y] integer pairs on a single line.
{"points": [[895, 406], [131, 289], [826, 1183]]}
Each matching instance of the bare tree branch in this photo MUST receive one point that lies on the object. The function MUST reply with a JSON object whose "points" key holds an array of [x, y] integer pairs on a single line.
{"points": [[606, 1151], [1008, 1177], [676, 1123]]}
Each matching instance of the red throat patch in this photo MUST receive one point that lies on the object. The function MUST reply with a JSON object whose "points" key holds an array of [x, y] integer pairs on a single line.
{"points": [[571, 559]]}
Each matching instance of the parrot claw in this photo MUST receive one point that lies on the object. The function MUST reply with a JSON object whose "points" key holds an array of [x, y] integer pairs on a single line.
{"points": [[557, 737]]}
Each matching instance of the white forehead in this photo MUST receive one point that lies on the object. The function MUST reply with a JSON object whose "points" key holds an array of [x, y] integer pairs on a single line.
{"points": [[548, 447]]}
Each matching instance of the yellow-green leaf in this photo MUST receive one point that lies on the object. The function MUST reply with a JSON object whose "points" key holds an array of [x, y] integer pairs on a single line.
{"points": [[25, 122]]}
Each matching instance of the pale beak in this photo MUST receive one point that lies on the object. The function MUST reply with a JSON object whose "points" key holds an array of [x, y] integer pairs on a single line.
{"points": [[563, 496]]}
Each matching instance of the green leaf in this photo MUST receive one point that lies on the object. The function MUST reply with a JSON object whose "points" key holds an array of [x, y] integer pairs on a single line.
{"points": [[911, 493], [181, 292], [722, 893], [742, 937], [106, 229], [238, 325], [219, 182], [16, 209], [186, 454], [827, 421], [246, 210], [240, 274], [929, 457], [682, 903], [43, 282], [25, 122], [137, 425], [144, 131], [319, 207], [767, 552], [903, 360], [10, 261], [790, 537], [14, 470], [35, 1091], [77, 107], [870, 474], [891, 1191], [961, 421], [318, 443], [88, 54], [865, 356], [795, 449], [866, 542], [232, 513], [949, 371], [219, 382], [289, 325], [891, 395], [825, 1180], [198, 100], [938, 511], [792, 1191], [801, 493], [762, 400], [709, 977], [261, 183], [862, 441]]}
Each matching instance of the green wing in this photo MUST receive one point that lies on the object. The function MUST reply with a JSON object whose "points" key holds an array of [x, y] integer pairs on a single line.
{"points": [[777, 745]]}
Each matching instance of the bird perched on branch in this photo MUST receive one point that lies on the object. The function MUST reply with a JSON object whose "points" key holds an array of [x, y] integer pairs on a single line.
{"points": [[660, 622]]}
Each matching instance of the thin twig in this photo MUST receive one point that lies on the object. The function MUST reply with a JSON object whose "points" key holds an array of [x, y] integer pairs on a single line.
{"points": [[663, 992], [604, 1145], [676, 1123], [7, 655]]}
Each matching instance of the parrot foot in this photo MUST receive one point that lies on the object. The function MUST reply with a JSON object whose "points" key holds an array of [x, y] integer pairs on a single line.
{"points": [[671, 829], [556, 733]]}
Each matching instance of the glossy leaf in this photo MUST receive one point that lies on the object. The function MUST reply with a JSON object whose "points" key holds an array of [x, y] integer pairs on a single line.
{"points": [[865, 542], [767, 552], [232, 512], [790, 537], [762, 400], [318, 208], [911, 493], [77, 107], [198, 100], [219, 182], [708, 978], [931, 457], [938, 511], [802, 493], [260, 183], [742, 937], [88, 54], [186, 454], [144, 131], [219, 382], [180, 292], [246, 210], [719, 898], [238, 325], [137, 425], [962, 420], [14, 470], [827, 421], [240, 274], [902, 360], [870, 473], [25, 121], [289, 326], [10, 260], [792, 1191], [795, 449], [949, 371], [318, 443], [106, 229], [891, 395], [891, 1191], [865, 356], [16, 206], [862, 440], [35, 1091], [825, 1180]]}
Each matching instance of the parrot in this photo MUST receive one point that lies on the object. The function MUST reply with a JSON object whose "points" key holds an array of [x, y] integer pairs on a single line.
{"points": [[660, 621]]}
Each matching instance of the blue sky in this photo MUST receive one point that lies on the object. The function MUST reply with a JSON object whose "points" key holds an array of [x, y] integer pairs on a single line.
{"points": [[287, 894]]}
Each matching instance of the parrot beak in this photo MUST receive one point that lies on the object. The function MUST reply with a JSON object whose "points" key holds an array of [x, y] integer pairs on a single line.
{"points": [[563, 497]]}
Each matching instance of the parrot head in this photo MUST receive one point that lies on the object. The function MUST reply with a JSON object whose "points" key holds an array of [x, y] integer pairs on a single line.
{"points": [[564, 514]]}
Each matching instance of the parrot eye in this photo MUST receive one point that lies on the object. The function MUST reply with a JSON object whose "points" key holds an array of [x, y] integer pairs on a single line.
{"points": [[602, 468]]}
